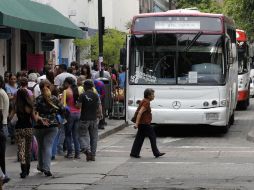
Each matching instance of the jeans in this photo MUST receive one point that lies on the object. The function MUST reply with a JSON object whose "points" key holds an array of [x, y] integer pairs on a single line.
{"points": [[5, 129], [45, 138], [58, 141], [71, 133], [88, 136], [144, 131], [2, 150]]}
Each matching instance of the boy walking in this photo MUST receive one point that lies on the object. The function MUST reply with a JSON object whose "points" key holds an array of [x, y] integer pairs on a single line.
{"points": [[88, 130]]}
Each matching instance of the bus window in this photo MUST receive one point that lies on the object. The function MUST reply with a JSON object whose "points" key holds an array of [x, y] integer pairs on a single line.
{"points": [[169, 59]]}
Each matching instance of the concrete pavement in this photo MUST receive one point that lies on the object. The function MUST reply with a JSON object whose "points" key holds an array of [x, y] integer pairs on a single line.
{"points": [[250, 135], [67, 173]]}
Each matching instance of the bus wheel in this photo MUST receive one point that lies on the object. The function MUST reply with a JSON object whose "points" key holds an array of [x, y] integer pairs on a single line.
{"points": [[224, 129], [232, 119], [248, 99]]}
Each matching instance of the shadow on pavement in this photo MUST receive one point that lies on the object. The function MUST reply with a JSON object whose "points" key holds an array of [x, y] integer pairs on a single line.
{"points": [[188, 131]]}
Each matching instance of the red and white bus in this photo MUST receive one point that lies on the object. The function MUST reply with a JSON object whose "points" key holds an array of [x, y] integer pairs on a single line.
{"points": [[190, 59], [243, 99]]}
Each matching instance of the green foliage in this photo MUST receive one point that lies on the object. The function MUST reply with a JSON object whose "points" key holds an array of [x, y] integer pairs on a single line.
{"points": [[242, 11], [113, 41], [209, 6]]}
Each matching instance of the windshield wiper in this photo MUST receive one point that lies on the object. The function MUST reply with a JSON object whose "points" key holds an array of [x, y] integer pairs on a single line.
{"points": [[193, 41]]}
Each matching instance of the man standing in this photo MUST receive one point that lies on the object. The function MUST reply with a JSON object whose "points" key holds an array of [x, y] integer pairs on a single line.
{"points": [[59, 79], [4, 111], [88, 129]]}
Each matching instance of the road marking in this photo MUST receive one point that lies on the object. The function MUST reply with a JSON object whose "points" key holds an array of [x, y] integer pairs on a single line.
{"points": [[114, 151], [193, 163], [213, 147], [169, 140]]}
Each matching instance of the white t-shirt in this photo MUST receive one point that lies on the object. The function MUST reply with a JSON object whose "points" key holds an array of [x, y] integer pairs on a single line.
{"points": [[59, 79], [105, 75], [4, 105], [37, 90], [39, 79]]}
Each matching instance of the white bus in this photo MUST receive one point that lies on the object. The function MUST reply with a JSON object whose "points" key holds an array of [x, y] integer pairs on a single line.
{"points": [[190, 59], [243, 70]]}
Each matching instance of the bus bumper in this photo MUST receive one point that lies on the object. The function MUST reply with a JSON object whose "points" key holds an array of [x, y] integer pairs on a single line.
{"points": [[213, 116]]}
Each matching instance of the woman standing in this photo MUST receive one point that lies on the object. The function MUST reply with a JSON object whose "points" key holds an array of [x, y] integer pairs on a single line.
{"points": [[86, 71], [143, 124], [24, 109], [70, 98], [11, 89], [48, 106]]}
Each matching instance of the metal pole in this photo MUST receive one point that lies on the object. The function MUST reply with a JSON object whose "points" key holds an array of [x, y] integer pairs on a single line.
{"points": [[169, 5], [100, 60]]}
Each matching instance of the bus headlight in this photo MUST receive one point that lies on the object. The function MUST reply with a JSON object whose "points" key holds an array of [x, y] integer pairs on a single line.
{"points": [[214, 103], [205, 104], [223, 103]]}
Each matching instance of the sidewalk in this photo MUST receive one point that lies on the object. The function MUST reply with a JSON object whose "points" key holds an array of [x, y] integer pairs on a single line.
{"points": [[68, 174]]}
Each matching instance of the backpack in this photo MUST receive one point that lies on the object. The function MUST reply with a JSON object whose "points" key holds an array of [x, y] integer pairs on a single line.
{"points": [[32, 88]]}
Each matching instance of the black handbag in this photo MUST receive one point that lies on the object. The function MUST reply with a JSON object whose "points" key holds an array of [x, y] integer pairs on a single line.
{"points": [[134, 118]]}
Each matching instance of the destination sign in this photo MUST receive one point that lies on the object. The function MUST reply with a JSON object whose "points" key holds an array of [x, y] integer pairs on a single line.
{"points": [[152, 23], [177, 25]]}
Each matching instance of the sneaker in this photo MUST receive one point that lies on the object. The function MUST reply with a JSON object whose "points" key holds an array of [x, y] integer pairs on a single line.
{"points": [[135, 156], [77, 156], [39, 169], [47, 173], [6, 179], [88, 155], [69, 156], [101, 127], [92, 158]]}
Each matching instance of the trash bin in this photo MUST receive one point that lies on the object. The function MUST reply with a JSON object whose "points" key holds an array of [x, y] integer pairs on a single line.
{"points": [[108, 93]]}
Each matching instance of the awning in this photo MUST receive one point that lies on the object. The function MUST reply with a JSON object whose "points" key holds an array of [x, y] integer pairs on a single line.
{"points": [[32, 16]]}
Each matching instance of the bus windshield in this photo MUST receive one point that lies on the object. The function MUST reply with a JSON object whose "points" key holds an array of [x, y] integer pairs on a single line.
{"points": [[182, 59], [242, 58]]}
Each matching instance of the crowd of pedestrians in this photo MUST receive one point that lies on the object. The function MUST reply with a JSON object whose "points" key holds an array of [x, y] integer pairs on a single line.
{"points": [[60, 110]]}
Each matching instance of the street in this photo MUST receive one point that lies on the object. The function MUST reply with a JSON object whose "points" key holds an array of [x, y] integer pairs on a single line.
{"points": [[199, 158]]}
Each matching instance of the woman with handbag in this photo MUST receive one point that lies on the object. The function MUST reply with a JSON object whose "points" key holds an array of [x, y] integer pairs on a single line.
{"points": [[24, 109], [48, 106], [142, 119]]}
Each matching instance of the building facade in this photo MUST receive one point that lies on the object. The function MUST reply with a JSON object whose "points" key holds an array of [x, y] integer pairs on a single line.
{"points": [[84, 13]]}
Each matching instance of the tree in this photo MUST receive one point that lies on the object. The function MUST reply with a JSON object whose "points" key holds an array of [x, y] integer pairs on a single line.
{"points": [[113, 41], [242, 11], [209, 6]]}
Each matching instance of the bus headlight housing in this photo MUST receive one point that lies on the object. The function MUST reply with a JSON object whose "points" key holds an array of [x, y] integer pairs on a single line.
{"points": [[223, 103]]}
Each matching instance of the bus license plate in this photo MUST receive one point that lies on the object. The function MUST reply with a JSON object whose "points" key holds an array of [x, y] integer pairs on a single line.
{"points": [[212, 116]]}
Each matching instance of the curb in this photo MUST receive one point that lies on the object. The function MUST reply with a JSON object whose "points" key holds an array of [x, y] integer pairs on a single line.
{"points": [[250, 136], [112, 131]]}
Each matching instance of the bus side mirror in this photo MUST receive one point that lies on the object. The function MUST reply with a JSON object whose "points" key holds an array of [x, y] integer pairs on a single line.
{"points": [[233, 53], [230, 60], [123, 55]]}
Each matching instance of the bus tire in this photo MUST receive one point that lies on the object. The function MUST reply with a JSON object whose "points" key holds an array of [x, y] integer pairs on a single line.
{"points": [[224, 129], [232, 119], [248, 99], [245, 104]]}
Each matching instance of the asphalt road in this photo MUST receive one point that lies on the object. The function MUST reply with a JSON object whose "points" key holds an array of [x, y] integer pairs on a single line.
{"points": [[197, 158]]}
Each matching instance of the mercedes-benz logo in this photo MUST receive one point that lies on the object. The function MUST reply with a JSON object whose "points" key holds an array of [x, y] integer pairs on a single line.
{"points": [[176, 104]]}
